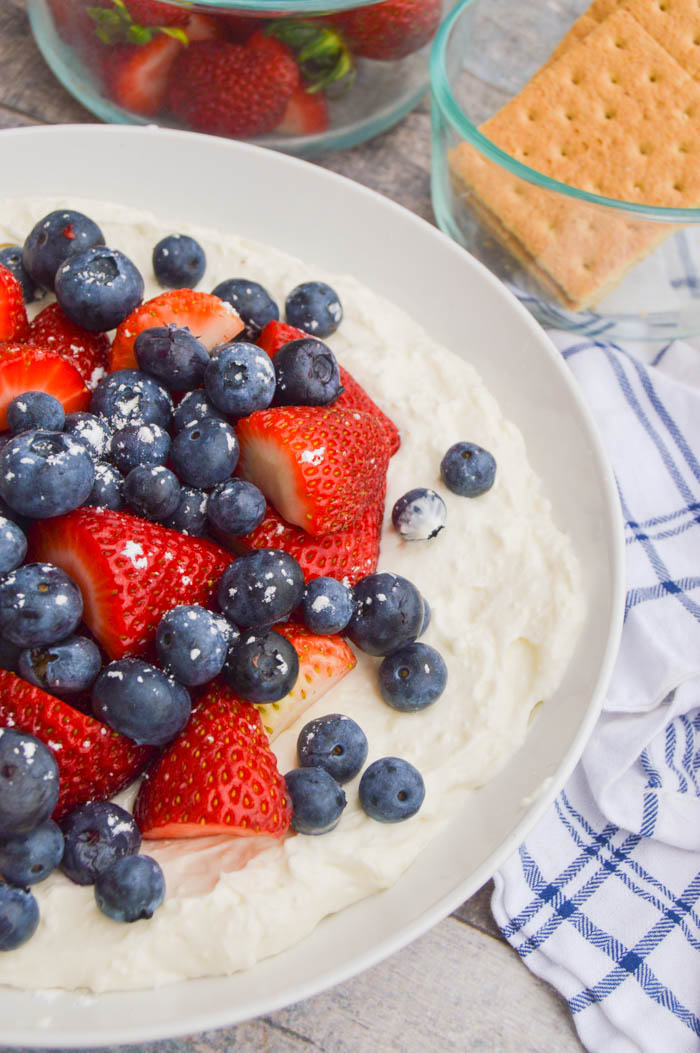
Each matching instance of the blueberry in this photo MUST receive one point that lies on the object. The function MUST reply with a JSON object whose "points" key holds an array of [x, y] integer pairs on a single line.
{"points": [[29, 858], [13, 545], [97, 835], [28, 782], [467, 469], [35, 409], [191, 645], [236, 507], [391, 790], [173, 356], [5, 511], [419, 514], [108, 488], [98, 288], [9, 655], [335, 743], [315, 308], [194, 407], [317, 800], [131, 397], [131, 889], [190, 516], [388, 613], [39, 604], [307, 374], [152, 492], [261, 588], [427, 613], [45, 473], [11, 260], [252, 302], [178, 262], [19, 916], [412, 677], [140, 701], [204, 453], [327, 606], [240, 378], [53, 240], [139, 445], [92, 431], [64, 668], [262, 666]]}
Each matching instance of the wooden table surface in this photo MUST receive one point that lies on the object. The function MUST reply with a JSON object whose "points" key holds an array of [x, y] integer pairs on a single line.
{"points": [[459, 987]]}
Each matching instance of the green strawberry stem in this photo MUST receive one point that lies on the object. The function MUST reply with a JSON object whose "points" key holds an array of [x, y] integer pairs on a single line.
{"points": [[114, 25], [320, 51]]}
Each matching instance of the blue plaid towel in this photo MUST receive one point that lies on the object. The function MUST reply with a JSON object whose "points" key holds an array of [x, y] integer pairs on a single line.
{"points": [[603, 900]]}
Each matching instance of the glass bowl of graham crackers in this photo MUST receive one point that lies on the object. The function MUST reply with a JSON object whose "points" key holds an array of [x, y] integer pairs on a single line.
{"points": [[566, 157]]}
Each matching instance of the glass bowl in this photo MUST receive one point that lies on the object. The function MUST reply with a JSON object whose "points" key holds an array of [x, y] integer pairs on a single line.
{"points": [[568, 253], [353, 78]]}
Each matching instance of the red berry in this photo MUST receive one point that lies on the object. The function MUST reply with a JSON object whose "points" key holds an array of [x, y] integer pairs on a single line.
{"points": [[13, 313], [87, 351], [391, 29], [27, 367], [306, 114], [136, 76]]}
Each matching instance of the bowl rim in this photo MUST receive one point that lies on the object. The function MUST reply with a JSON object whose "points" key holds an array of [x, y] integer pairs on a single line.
{"points": [[445, 101], [283, 7]]}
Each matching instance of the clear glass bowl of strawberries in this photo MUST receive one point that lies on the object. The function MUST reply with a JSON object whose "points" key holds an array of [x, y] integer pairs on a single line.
{"points": [[301, 76]]}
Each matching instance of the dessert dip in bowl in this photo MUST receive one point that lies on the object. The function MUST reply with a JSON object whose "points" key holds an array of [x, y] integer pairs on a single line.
{"points": [[522, 583], [565, 158]]}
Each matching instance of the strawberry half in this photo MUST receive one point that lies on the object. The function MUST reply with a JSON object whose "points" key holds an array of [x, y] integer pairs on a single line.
{"points": [[88, 352], [276, 334], [26, 367], [323, 662], [219, 776], [129, 571], [13, 313], [94, 762], [155, 13], [211, 320], [347, 555], [391, 29], [306, 114], [136, 76], [319, 466]]}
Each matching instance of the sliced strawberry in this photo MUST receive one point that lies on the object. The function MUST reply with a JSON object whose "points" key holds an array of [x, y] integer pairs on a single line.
{"points": [[204, 27], [323, 662], [306, 114], [211, 320], [88, 352], [155, 13], [136, 76], [13, 313], [26, 367], [130, 571], [219, 776], [276, 334], [347, 555], [319, 466], [94, 762]]}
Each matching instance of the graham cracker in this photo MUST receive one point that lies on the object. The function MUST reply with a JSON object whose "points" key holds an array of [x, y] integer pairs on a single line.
{"points": [[614, 115], [675, 24]]}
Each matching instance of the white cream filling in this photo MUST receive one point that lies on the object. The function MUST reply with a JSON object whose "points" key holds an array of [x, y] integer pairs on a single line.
{"points": [[503, 585]]}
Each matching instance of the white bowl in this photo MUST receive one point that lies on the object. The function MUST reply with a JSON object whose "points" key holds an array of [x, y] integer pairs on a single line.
{"points": [[338, 224]]}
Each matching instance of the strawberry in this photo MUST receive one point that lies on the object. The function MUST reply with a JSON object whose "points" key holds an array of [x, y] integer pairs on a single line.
{"points": [[211, 320], [391, 29], [233, 89], [219, 776], [276, 334], [13, 313], [323, 662], [26, 367], [319, 466], [94, 762], [130, 571], [205, 27], [136, 76], [306, 114], [88, 352], [347, 555], [153, 13]]}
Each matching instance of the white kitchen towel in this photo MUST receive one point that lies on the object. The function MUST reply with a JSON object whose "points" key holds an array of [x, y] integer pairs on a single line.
{"points": [[603, 899]]}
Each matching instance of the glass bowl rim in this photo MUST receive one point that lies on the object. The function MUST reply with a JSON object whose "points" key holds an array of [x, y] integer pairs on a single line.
{"points": [[282, 7], [444, 98]]}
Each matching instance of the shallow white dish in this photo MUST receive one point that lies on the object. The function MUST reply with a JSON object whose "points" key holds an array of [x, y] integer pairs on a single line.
{"points": [[343, 227]]}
